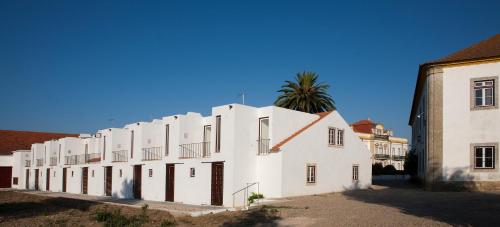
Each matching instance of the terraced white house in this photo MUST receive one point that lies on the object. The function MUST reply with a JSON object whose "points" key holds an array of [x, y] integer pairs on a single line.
{"points": [[205, 160]]}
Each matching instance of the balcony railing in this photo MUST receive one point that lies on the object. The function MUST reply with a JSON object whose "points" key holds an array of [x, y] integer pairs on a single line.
{"points": [[194, 150], [383, 137], [93, 158], [263, 146], [382, 156], [151, 153], [398, 157], [27, 163], [72, 159], [53, 161], [120, 156], [39, 162]]}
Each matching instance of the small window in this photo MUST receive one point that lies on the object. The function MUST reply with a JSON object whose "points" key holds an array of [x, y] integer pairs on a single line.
{"points": [[192, 172], [92, 173], [340, 137], [121, 173], [331, 136], [484, 157], [150, 172], [311, 174], [14, 180], [483, 93], [355, 172], [71, 173], [217, 133], [54, 173]]}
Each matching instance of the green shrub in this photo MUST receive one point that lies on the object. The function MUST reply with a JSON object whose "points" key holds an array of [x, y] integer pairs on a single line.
{"points": [[254, 196], [166, 223], [377, 169], [116, 218]]}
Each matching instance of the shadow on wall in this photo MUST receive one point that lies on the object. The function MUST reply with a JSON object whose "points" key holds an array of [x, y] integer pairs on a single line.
{"points": [[452, 207], [126, 190]]}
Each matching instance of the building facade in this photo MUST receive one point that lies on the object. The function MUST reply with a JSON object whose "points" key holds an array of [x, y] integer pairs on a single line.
{"points": [[206, 160], [385, 148], [455, 119]]}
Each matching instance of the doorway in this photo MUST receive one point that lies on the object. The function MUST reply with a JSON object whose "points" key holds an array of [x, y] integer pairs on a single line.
{"points": [[47, 177], [36, 179], [170, 182], [137, 181], [217, 183], [85, 180], [108, 179], [65, 171]]}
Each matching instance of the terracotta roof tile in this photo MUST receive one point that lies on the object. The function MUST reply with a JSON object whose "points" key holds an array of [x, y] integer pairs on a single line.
{"points": [[363, 126], [11, 140], [484, 49], [277, 147]]}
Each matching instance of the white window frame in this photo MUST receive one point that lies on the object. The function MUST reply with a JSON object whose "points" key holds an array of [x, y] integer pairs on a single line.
{"points": [[311, 173], [355, 172], [192, 172], [483, 157], [332, 132], [479, 87]]}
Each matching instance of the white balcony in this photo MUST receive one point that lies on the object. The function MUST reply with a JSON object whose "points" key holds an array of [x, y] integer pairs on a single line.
{"points": [[194, 150]]}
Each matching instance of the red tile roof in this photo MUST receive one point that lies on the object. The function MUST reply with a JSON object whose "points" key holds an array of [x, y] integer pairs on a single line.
{"points": [[277, 147], [363, 126], [21, 140]]}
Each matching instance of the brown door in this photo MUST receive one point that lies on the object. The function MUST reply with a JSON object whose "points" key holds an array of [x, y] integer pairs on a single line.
{"points": [[137, 181], [47, 177], [85, 179], [5, 177], [108, 179], [27, 179], [169, 190], [217, 183], [36, 179], [65, 170]]}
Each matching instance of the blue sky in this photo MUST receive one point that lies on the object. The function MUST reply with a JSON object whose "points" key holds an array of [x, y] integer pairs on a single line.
{"points": [[70, 66]]}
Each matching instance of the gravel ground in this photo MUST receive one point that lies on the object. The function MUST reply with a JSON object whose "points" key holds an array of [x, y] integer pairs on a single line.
{"points": [[391, 205], [383, 205]]}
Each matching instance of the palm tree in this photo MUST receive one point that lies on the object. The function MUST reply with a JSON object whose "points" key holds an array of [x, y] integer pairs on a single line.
{"points": [[305, 94]]}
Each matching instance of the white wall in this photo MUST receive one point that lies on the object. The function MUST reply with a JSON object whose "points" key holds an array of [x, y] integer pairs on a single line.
{"points": [[333, 164], [461, 126]]}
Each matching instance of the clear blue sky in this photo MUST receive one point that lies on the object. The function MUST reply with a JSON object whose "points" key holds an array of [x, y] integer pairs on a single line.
{"points": [[69, 66]]}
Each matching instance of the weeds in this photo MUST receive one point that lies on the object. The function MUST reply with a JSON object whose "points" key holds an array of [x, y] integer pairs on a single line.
{"points": [[116, 218]]}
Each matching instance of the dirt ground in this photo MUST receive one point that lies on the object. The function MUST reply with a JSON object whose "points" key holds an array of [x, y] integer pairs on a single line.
{"points": [[385, 205]]}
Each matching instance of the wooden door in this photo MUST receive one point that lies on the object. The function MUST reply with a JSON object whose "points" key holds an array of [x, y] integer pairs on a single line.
{"points": [[27, 179], [36, 179], [217, 183], [85, 180], [108, 179], [137, 181], [47, 177], [169, 189], [65, 170], [5, 177]]}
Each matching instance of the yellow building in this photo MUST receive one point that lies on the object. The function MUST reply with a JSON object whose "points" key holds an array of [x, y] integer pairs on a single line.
{"points": [[384, 146]]}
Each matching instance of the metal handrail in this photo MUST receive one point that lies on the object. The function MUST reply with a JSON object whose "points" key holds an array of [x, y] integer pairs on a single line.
{"points": [[195, 150], [152, 153], [245, 198], [120, 156]]}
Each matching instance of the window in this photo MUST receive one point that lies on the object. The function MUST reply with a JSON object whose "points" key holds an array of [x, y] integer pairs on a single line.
{"points": [[14, 180], [104, 148], [167, 135], [340, 137], [54, 173], [86, 148], [484, 93], [484, 157], [355, 172], [311, 174], [121, 173], [150, 172], [217, 133], [59, 153], [71, 173], [331, 136], [92, 173], [192, 172], [132, 144]]}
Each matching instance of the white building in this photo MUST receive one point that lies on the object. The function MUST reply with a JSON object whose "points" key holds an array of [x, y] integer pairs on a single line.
{"points": [[456, 120], [212, 160], [385, 148]]}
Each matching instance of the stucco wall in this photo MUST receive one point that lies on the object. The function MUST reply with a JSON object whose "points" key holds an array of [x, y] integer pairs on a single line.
{"points": [[463, 126]]}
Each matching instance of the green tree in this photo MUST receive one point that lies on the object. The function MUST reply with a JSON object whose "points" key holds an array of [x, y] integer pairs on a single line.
{"points": [[305, 94]]}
